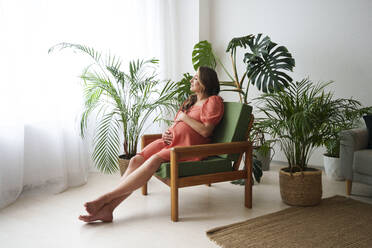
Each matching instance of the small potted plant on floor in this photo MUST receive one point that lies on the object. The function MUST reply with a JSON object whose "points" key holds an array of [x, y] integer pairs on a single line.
{"points": [[123, 102], [298, 117], [263, 150]]}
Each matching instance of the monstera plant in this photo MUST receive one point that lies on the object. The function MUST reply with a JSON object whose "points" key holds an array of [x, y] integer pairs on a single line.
{"points": [[266, 64]]}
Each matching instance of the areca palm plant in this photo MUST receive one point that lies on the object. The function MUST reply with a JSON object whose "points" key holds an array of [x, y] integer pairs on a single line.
{"points": [[122, 101], [301, 118]]}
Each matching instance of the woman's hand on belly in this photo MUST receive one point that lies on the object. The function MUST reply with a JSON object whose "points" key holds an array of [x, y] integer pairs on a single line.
{"points": [[167, 137], [204, 129]]}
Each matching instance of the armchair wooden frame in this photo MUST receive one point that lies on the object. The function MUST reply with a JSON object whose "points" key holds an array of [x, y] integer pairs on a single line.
{"points": [[175, 182]]}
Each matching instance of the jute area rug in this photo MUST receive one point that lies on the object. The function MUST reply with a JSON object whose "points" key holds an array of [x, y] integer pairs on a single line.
{"points": [[336, 222]]}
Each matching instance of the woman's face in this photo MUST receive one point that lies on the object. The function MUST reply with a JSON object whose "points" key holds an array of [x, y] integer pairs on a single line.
{"points": [[196, 86]]}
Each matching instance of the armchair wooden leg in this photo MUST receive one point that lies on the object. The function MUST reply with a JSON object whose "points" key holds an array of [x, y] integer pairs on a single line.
{"points": [[248, 180], [144, 189], [174, 186], [348, 186], [174, 204]]}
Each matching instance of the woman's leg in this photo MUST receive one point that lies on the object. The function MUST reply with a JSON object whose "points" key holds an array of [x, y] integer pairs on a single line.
{"points": [[105, 204], [134, 163], [152, 148]]}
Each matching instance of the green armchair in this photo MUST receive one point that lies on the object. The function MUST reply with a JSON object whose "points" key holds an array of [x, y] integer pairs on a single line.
{"points": [[223, 157]]}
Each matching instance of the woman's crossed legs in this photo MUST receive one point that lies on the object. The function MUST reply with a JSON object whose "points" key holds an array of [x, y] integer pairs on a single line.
{"points": [[138, 173]]}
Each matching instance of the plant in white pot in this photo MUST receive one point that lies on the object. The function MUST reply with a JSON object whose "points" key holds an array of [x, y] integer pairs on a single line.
{"points": [[350, 114], [123, 102], [298, 118]]}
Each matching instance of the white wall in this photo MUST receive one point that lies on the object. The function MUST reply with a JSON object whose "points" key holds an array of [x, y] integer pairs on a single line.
{"points": [[330, 40], [186, 29]]}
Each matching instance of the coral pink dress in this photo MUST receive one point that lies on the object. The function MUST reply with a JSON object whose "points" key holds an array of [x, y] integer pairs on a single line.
{"points": [[183, 135]]}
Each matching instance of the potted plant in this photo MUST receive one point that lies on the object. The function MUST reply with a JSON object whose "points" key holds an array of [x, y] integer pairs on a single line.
{"points": [[298, 117], [266, 64], [263, 150], [122, 101], [349, 117]]}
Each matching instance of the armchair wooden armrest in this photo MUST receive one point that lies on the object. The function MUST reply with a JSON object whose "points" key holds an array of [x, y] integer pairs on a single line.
{"points": [[148, 138]]}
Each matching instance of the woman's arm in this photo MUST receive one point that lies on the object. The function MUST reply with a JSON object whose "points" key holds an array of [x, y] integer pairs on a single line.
{"points": [[204, 130]]}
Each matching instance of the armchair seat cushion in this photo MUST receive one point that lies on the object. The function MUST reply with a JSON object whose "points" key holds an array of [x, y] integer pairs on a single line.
{"points": [[363, 161], [192, 168]]}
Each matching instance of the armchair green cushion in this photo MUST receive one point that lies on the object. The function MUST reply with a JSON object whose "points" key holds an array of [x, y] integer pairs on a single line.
{"points": [[192, 168], [233, 126]]}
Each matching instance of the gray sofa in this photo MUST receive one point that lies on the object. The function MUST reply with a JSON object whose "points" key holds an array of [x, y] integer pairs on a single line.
{"points": [[356, 159]]}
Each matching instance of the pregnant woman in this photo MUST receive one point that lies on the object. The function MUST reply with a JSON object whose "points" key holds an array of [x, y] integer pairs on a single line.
{"points": [[193, 125]]}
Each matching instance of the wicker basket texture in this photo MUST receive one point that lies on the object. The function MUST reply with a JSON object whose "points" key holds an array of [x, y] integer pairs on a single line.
{"points": [[301, 188]]}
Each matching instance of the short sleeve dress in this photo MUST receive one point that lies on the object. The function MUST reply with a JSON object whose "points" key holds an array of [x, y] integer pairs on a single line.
{"points": [[183, 135]]}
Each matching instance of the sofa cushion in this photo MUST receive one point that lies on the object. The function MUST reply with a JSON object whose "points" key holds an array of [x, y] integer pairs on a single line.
{"points": [[368, 121], [363, 161], [233, 126], [191, 168]]}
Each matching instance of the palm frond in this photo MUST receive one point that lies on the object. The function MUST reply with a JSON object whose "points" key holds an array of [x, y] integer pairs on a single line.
{"points": [[95, 55], [106, 144]]}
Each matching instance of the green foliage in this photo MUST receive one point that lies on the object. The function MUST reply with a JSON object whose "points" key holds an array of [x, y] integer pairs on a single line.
{"points": [[256, 171], [300, 118], [266, 64], [202, 55], [183, 88], [239, 42], [122, 101], [349, 117], [259, 142]]}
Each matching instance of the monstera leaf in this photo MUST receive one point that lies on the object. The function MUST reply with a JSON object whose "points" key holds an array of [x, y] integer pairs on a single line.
{"points": [[239, 42], [202, 55], [266, 65]]}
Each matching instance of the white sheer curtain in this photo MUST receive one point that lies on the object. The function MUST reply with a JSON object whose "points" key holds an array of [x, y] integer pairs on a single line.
{"points": [[40, 96]]}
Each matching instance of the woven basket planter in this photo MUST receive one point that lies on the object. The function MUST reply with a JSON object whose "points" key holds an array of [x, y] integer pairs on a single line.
{"points": [[301, 188], [123, 164]]}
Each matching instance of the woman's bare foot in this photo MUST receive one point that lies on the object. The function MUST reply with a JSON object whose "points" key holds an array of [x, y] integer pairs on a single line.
{"points": [[104, 215], [95, 206]]}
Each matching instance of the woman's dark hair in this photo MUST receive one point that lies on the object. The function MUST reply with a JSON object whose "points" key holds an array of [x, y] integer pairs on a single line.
{"points": [[208, 78]]}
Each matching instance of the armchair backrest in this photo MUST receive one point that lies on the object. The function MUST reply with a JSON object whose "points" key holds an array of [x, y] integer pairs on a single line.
{"points": [[233, 126]]}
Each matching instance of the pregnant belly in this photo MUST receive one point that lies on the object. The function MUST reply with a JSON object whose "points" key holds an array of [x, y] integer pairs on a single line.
{"points": [[184, 135]]}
